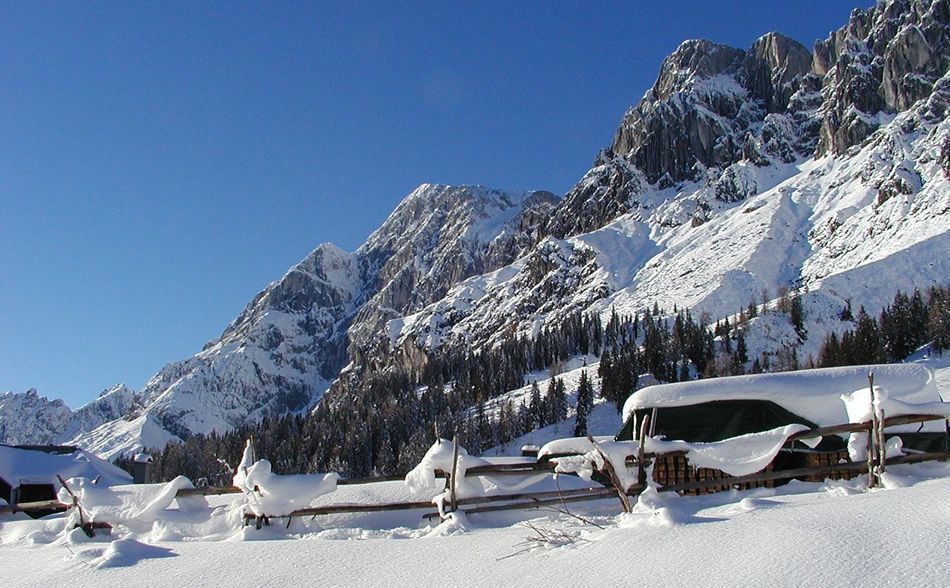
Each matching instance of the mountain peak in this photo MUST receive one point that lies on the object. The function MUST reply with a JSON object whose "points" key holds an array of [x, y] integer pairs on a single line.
{"points": [[694, 59]]}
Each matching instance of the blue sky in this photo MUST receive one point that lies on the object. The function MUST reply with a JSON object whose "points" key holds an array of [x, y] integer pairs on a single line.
{"points": [[162, 162]]}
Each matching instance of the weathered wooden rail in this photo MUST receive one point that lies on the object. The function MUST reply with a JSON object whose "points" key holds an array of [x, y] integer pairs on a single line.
{"points": [[528, 500], [800, 472]]}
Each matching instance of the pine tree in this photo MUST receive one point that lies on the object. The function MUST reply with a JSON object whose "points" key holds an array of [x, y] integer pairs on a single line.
{"points": [[830, 353], [846, 314], [556, 401], [939, 318], [536, 407], [796, 313], [585, 403], [868, 346]]}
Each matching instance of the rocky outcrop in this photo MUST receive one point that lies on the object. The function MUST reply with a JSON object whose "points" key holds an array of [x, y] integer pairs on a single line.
{"points": [[773, 68], [437, 237], [605, 192], [708, 106], [883, 61]]}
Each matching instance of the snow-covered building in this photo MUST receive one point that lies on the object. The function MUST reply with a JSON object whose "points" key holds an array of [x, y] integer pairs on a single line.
{"points": [[717, 415], [28, 473]]}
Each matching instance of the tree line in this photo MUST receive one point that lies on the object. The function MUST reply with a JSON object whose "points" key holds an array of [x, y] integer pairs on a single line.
{"points": [[906, 324]]}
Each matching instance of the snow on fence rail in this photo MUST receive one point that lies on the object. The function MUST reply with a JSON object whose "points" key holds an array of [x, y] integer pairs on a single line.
{"points": [[609, 465]]}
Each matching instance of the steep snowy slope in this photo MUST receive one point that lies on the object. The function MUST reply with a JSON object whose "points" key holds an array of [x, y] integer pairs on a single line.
{"points": [[722, 194]]}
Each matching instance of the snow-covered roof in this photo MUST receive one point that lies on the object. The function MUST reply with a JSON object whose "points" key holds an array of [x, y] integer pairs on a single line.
{"points": [[813, 394], [19, 465]]}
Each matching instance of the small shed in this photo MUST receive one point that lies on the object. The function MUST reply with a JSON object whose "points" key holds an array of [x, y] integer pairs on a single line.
{"points": [[28, 472], [719, 408], [714, 410]]}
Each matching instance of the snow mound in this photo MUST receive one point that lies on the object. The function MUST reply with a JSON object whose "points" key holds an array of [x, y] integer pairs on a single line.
{"points": [[272, 494]]}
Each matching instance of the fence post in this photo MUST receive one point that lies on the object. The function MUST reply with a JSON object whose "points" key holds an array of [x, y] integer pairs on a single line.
{"points": [[872, 433], [881, 445], [641, 452], [454, 475]]}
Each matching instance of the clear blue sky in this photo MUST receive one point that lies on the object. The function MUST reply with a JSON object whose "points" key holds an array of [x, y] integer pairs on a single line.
{"points": [[162, 162]]}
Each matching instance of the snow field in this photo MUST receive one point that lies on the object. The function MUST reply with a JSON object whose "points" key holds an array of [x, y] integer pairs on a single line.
{"points": [[831, 533], [834, 533]]}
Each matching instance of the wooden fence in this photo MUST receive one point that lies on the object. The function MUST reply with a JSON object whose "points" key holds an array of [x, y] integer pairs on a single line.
{"points": [[876, 463]]}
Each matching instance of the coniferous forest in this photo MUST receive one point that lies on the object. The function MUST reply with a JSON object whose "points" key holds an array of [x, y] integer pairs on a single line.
{"points": [[394, 417]]}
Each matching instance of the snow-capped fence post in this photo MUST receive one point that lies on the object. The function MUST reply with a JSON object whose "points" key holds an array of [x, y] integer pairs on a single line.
{"points": [[89, 528], [872, 432], [641, 452], [454, 474], [611, 472]]}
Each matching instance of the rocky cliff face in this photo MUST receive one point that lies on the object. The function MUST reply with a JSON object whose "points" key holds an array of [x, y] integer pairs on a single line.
{"points": [[883, 61], [711, 104], [438, 236], [743, 171]]}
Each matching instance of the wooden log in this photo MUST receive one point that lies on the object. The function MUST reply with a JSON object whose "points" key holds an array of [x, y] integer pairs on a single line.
{"points": [[595, 495], [799, 472], [919, 457], [31, 506], [349, 509], [611, 474], [358, 481], [904, 419], [208, 491], [500, 468], [530, 495]]}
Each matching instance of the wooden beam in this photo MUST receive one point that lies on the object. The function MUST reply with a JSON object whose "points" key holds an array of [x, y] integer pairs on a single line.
{"points": [[532, 498], [530, 495], [500, 468], [358, 481], [350, 508], [208, 491], [38, 505], [604, 493], [798, 472], [893, 421]]}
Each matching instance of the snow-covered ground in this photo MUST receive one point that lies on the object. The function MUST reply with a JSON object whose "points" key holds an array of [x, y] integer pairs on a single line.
{"points": [[801, 534], [830, 533]]}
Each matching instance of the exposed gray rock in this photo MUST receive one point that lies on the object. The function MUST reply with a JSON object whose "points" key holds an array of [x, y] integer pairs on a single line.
{"points": [[709, 109], [773, 67], [884, 60], [437, 237], [604, 193]]}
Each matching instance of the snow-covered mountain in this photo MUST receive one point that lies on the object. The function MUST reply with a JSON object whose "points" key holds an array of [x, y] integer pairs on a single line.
{"points": [[744, 171], [29, 418], [281, 353], [738, 172]]}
